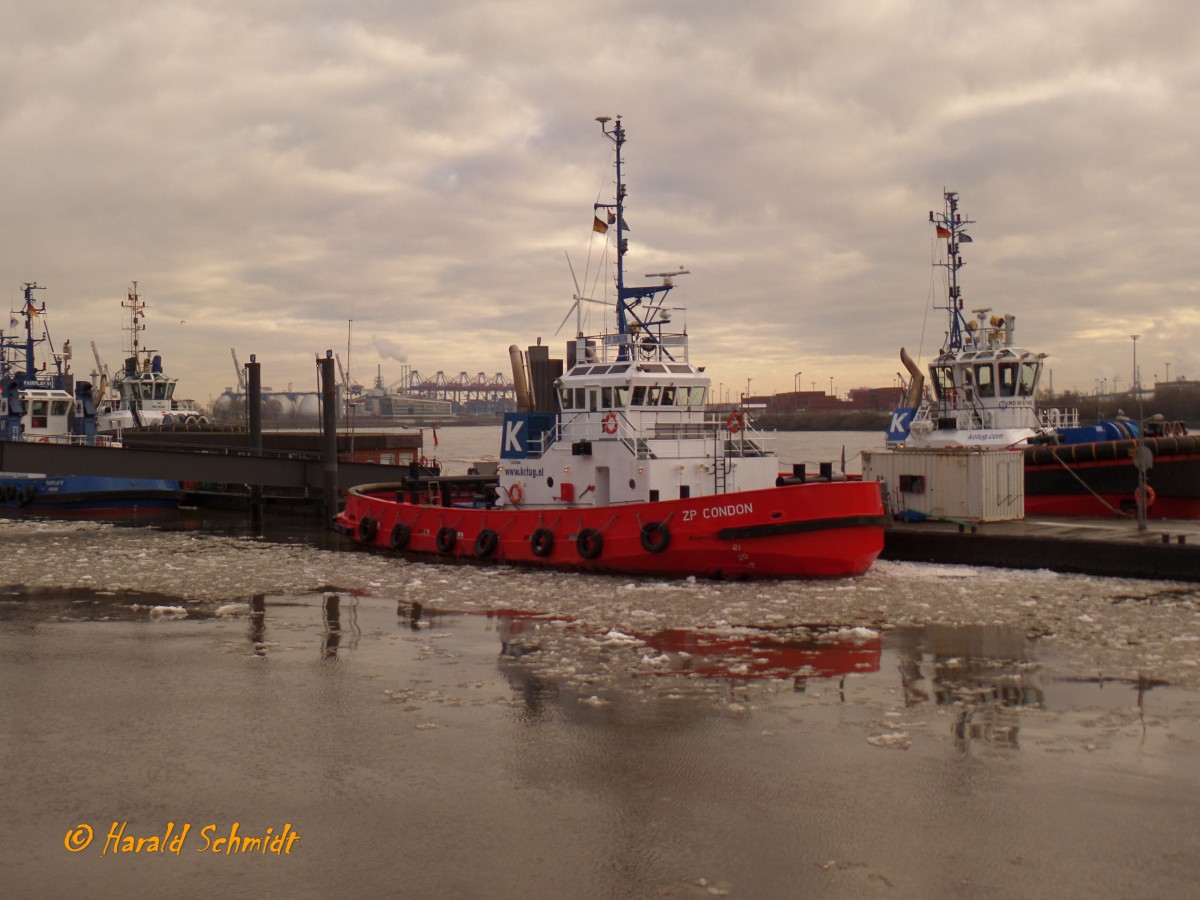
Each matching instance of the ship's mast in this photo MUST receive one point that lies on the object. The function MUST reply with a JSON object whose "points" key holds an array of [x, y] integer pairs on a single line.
{"points": [[629, 297], [137, 312], [29, 311], [30, 376], [950, 226], [616, 134]]}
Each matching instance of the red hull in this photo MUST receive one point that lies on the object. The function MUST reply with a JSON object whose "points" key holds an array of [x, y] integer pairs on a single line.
{"points": [[1099, 479], [1089, 506], [819, 530]]}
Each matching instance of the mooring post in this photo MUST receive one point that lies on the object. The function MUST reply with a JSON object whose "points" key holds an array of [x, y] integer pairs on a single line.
{"points": [[329, 431], [254, 413]]}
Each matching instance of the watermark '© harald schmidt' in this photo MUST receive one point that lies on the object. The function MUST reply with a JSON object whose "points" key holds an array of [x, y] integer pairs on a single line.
{"points": [[213, 839]]}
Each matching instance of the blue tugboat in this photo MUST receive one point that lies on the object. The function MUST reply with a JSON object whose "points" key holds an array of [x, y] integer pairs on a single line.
{"points": [[37, 407]]}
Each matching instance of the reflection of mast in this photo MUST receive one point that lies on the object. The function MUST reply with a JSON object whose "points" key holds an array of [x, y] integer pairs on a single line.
{"points": [[333, 625]]}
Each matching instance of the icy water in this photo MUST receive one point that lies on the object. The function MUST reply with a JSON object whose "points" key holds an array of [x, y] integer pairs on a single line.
{"points": [[193, 711]]}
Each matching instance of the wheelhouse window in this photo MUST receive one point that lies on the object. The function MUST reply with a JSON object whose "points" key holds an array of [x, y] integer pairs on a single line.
{"points": [[698, 395], [39, 411], [639, 395], [1008, 379], [985, 380], [943, 380], [1029, 377]]}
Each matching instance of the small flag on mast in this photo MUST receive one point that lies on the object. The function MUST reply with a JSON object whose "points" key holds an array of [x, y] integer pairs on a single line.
{"points": [[599, 225], [943, 232]]}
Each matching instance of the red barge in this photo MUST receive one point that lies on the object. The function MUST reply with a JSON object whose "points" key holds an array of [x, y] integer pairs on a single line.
{"points": [[618, 465]]}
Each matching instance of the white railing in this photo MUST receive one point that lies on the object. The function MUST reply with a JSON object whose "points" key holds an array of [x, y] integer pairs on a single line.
{"points": [[77, 440], [663, 428], [1058, 418]]}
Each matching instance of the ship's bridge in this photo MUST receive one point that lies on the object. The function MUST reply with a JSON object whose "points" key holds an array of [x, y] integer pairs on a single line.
{"points": [[1007, 372]]}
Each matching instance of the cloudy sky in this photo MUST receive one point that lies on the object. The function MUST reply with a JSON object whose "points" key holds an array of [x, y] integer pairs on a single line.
{"points": [[269, 171]]}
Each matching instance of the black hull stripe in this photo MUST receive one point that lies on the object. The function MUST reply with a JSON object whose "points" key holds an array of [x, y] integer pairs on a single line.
{"points": [[758, 531]]}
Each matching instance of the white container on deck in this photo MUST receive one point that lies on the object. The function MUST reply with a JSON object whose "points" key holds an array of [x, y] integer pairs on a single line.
{"points": [[960, 484]]}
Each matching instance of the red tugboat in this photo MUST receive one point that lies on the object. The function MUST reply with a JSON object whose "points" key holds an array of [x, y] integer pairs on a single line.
{"points": [[618, 465]]}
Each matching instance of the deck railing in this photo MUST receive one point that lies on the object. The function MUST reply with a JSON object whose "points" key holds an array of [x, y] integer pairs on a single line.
{"points": [[660, 431]]}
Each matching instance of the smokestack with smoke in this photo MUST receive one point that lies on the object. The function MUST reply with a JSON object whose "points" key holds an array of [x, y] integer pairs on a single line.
{"points": [[389, 349]]}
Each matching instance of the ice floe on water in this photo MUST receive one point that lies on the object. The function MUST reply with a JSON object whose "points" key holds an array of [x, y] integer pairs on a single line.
{"points": [[1130, 627]]}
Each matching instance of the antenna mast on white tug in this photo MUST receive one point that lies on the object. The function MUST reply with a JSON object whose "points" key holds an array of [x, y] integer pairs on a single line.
{"points": [[949, 226]]}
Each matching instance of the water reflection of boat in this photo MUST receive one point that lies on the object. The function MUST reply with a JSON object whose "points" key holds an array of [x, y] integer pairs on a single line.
{"points": [[984, 671], [37, 406], [796, 652], [618, 465], [983, 396]]}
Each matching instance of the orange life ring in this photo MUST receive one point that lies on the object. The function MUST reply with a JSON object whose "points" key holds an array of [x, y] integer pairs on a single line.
{"points": [[735, 422], [515, 494], [610, 423], [425, 462], [1150, 496]]}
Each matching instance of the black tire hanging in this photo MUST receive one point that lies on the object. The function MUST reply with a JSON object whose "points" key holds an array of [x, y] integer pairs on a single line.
{"points": [[400, 536], [446, 539], [367, 529], [656, 537], [486, 543], [590, 543], [541, 542]]}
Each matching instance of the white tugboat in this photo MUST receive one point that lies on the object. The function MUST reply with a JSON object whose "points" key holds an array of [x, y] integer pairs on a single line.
{"points": [[981, 396], [142, 394]]}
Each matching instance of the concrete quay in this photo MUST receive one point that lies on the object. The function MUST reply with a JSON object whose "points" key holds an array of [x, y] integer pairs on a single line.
{"points": [[1167, 549]]}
